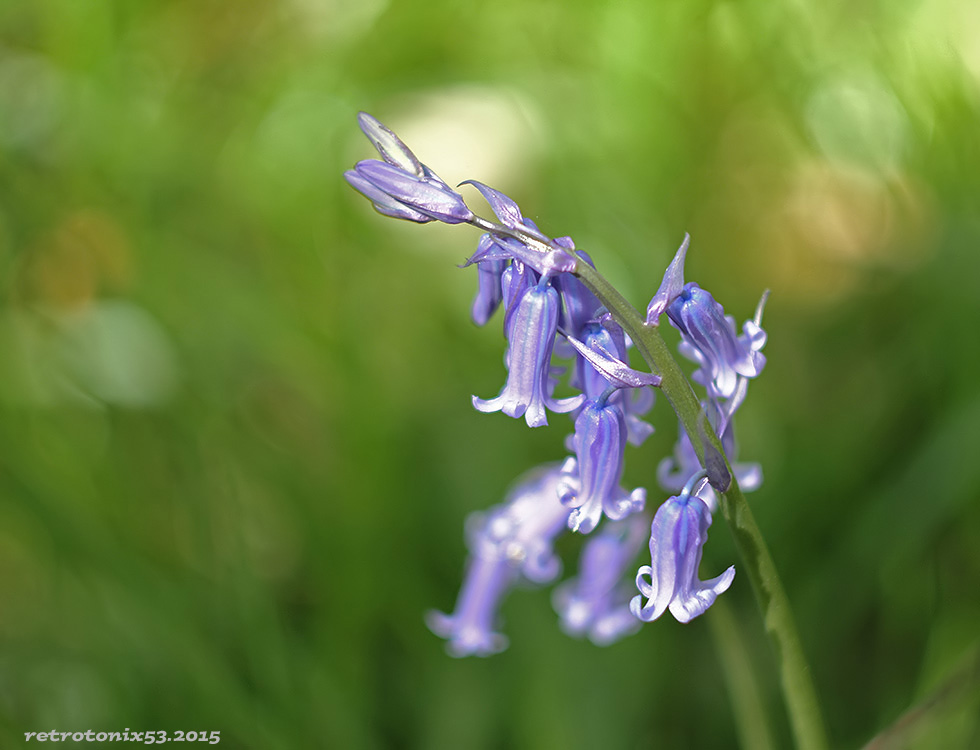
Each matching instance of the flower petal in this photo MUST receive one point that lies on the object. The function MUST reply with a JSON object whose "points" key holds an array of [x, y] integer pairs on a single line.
{"points": [[384, 203], [504, 208], [421, 195], [617, 372]]}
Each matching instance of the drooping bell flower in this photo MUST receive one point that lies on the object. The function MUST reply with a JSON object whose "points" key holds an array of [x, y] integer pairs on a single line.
{"points": [[579, 304], [524, 527], [710, 340], [596, 602], [677, 536], [510, 543], [470, 629], [601, 363], [530, 330], [591, 481], [489, 293]]}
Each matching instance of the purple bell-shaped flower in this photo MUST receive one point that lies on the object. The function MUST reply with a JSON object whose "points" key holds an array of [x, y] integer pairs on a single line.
{"points": [[590, 481], [596, 602], [677, 536], [510, 543], [531, 329], [711, 341]]}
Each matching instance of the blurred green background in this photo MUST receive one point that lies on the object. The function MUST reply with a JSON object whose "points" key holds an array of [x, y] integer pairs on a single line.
{"points": [[236, 441]]}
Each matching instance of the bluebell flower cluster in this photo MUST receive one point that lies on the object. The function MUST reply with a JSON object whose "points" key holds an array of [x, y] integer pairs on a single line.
{"points": [[726, 362], [548, 314]]}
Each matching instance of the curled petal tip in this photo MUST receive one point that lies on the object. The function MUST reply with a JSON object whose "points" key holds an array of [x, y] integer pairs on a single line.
{"points": [[685, 610], [636, 606]]}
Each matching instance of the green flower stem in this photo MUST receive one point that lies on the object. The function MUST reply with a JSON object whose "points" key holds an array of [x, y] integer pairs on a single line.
{"points": [[751, 721], [797, 683]]}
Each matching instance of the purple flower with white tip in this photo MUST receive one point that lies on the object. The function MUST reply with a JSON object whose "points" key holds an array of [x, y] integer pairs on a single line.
{"points": [[596, 602], [590, 481], [470, 629], [677, 536], [389, 146], [710, 340], [531, 330], [401, 186], [511, 542], [523, 529]]}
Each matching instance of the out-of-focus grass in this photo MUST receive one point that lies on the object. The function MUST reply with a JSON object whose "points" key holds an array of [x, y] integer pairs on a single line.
{"points": [[236, 446]]}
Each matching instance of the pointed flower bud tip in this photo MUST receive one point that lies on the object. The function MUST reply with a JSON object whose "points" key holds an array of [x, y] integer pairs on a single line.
{"points": [[504, 208], [389, 145], [671, 285]]}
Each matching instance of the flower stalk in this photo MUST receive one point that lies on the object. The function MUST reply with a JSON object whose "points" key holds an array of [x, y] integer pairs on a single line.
{"points": [[548, 289]]}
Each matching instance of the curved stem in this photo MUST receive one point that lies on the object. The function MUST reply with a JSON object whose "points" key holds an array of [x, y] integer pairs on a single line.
{"points": [[795, 676]]}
